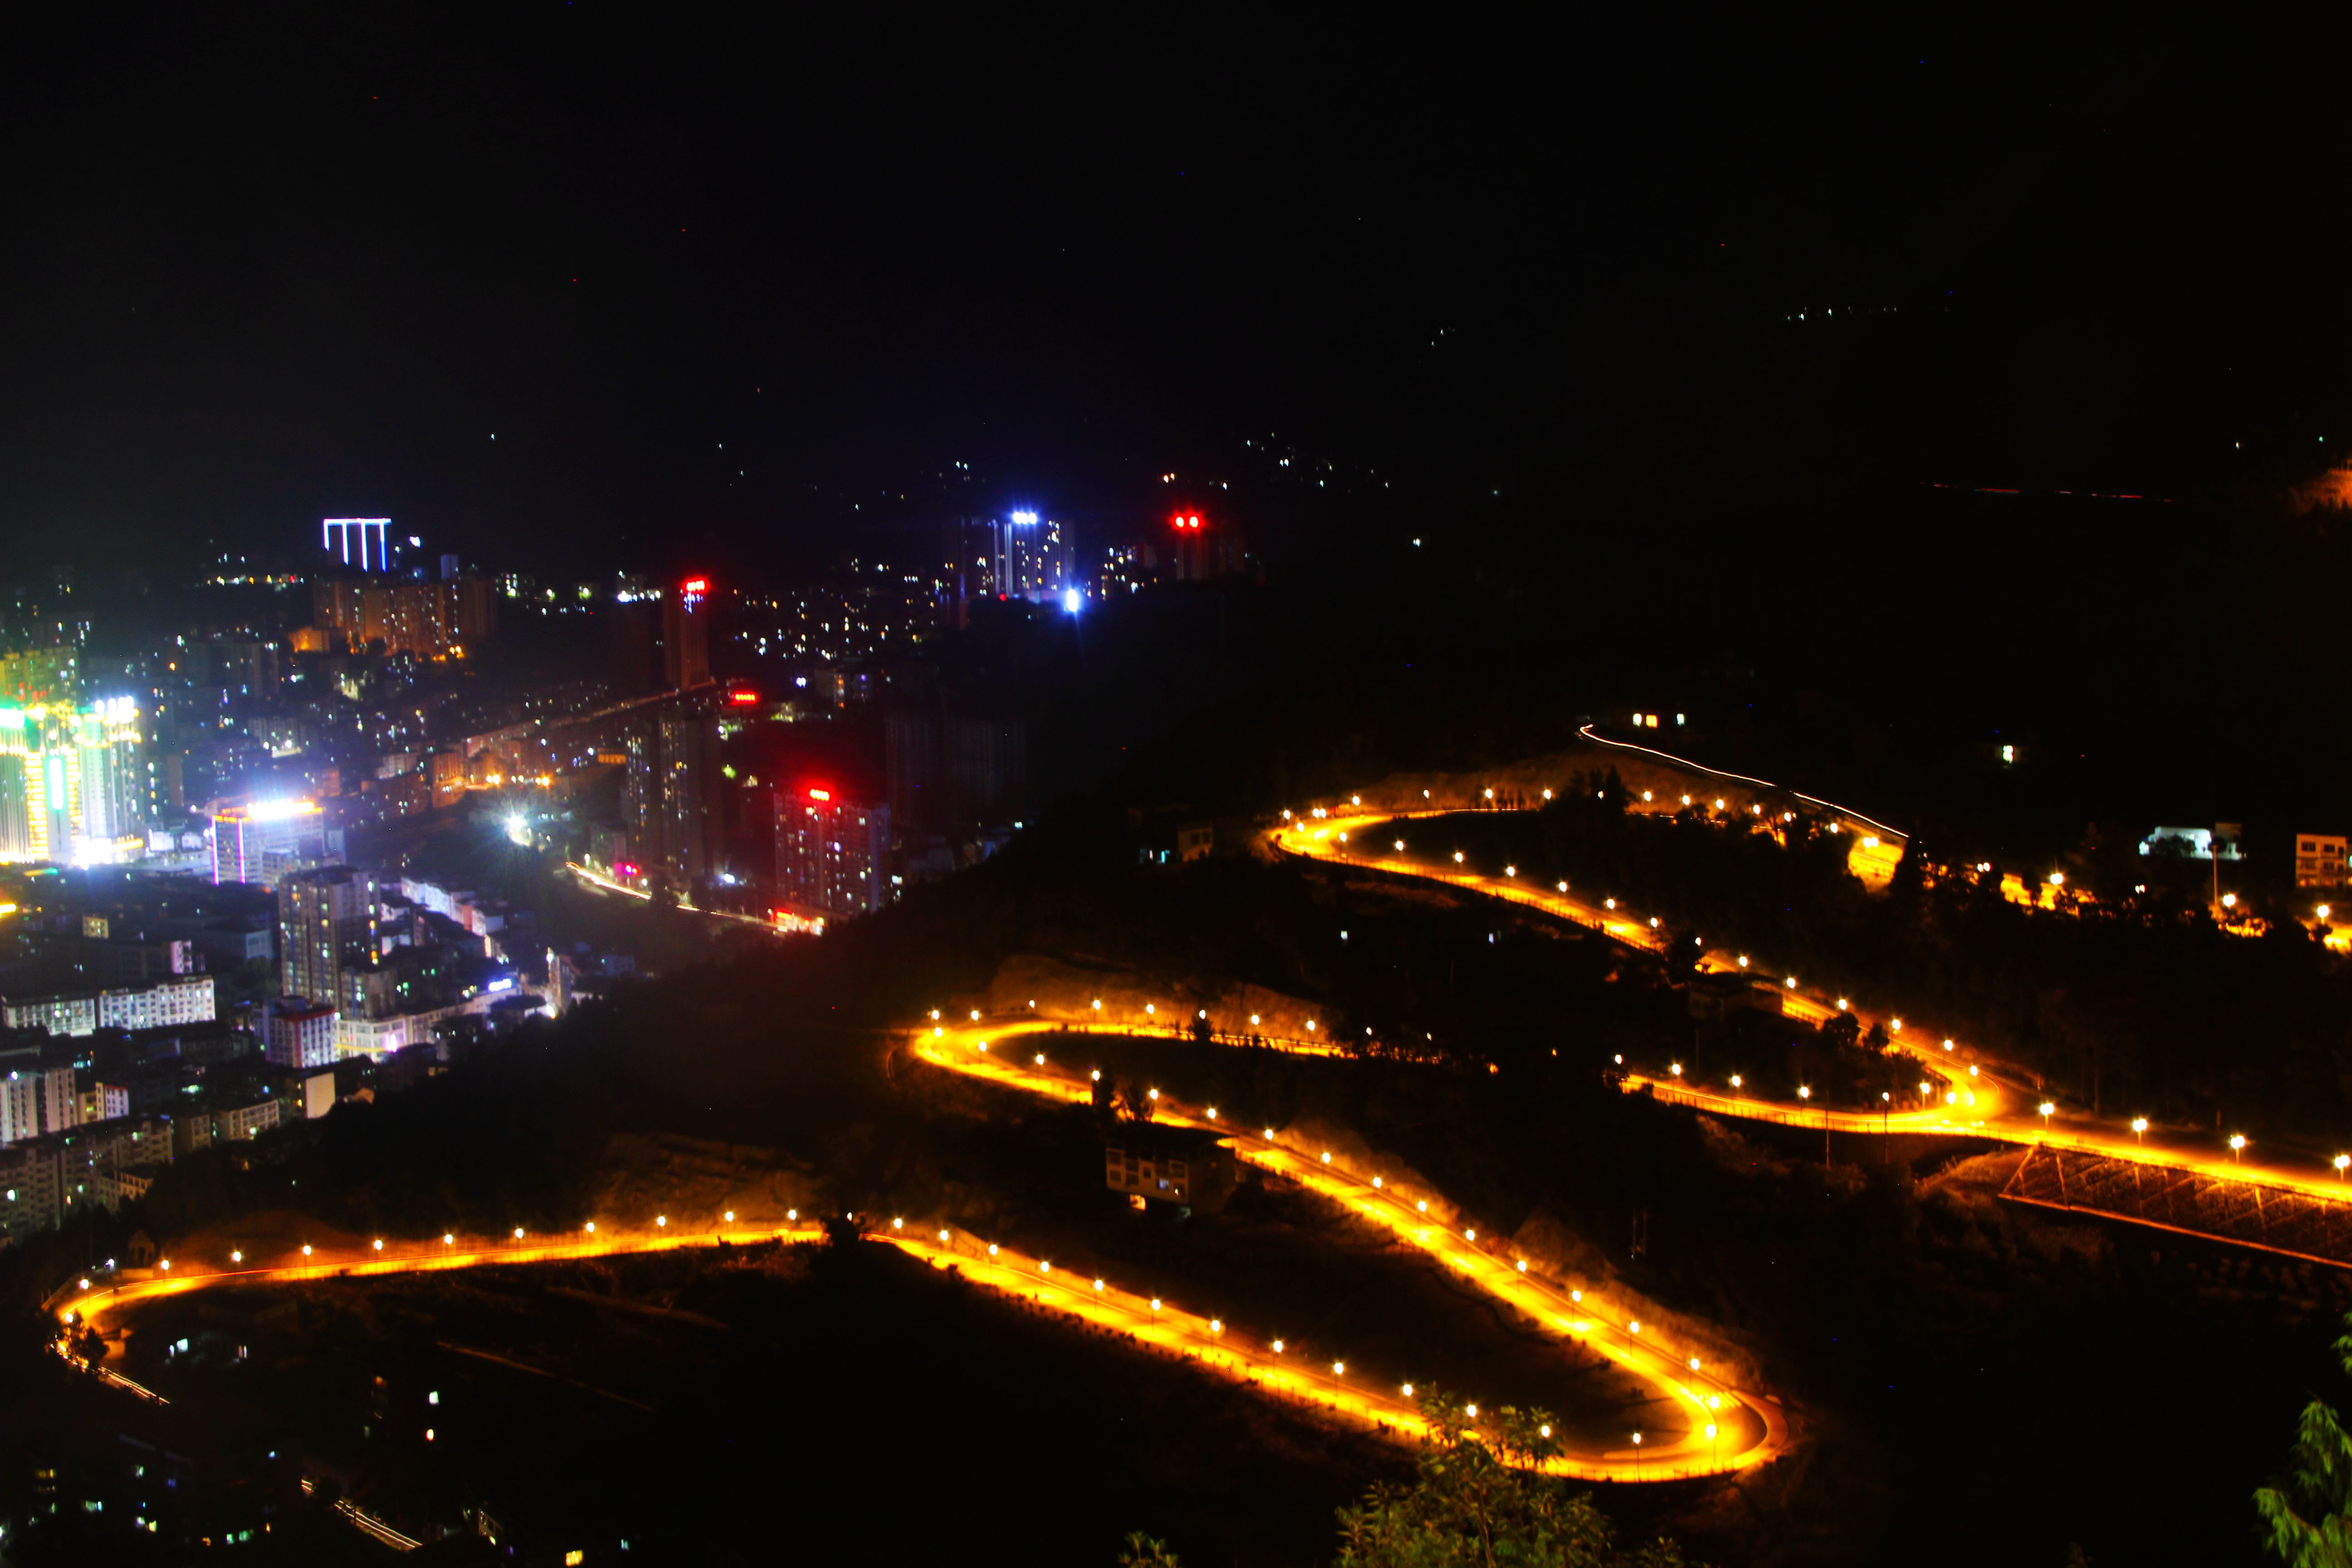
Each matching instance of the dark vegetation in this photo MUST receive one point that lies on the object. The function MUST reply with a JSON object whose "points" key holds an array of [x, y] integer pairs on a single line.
{"points": [[1482, 1502], [1943, 1345], [2130, 1003], [756, 1403]]}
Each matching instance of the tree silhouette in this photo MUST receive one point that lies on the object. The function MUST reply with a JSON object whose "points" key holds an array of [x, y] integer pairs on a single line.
{"points": [[2309, 1521], [1142, 1551], [1479, 1496]]}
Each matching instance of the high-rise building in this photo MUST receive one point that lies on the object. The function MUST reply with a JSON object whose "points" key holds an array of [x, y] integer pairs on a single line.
{"points": [[687, 797], [41, 677], [477, 610], [685, 635], [429, 620], [660, 640], [72, 781], [1029, 559], [561, 977], [36, 1097], [327, 927], [671, 800], [987, 767], [911, 768], [298, 1033], [832, 854], [264, 840]]}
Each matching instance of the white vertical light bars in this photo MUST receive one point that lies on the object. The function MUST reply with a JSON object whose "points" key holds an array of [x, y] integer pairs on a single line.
{"points": [[335, 534]]}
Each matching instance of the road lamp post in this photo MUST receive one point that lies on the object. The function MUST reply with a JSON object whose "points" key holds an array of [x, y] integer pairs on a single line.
{"points": [[2045, 1110], [2341, 1162], [2237, 1147]]}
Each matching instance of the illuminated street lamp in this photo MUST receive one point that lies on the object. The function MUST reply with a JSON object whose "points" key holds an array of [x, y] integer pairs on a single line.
{"points": [[2341, 1162], [2046, 1111], [2139, 1129], [2237, 1145]]}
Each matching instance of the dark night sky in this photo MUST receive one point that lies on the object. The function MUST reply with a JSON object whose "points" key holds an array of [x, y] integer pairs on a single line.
{"points": [[704, 278]]}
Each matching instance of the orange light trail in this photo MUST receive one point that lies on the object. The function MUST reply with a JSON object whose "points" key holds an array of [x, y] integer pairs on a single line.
{"points": [[1750, 1430], [1165, 1327], [1986, 1107]]}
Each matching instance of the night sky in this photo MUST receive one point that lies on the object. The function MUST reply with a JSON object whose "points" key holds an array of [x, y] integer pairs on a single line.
{"points": [[719, 278]]}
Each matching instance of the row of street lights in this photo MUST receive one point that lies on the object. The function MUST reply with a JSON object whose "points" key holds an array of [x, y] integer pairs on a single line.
{"points": [[2238, 1142], [1379, 1184]]}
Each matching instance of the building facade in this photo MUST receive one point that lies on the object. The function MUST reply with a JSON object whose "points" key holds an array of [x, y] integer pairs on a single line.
{"points": [[73, 782], [328, 922], [180, 999], [37, 1099], [2319, 859], [298, 1034], [188, 999], [832, 856], [263, 841]]}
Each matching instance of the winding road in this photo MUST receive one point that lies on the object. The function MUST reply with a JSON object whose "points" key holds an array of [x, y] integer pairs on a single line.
{"points": [[1972, 1093]]}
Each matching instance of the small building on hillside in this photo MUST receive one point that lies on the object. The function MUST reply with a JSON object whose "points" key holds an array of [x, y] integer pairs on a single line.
{"points": [[1717, 996], [1186, 1165]]}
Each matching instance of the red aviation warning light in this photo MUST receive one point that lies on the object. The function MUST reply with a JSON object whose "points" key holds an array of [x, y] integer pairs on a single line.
{"points": [[820, 795], [1187, 521], [742, 697], [693, 591]]}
